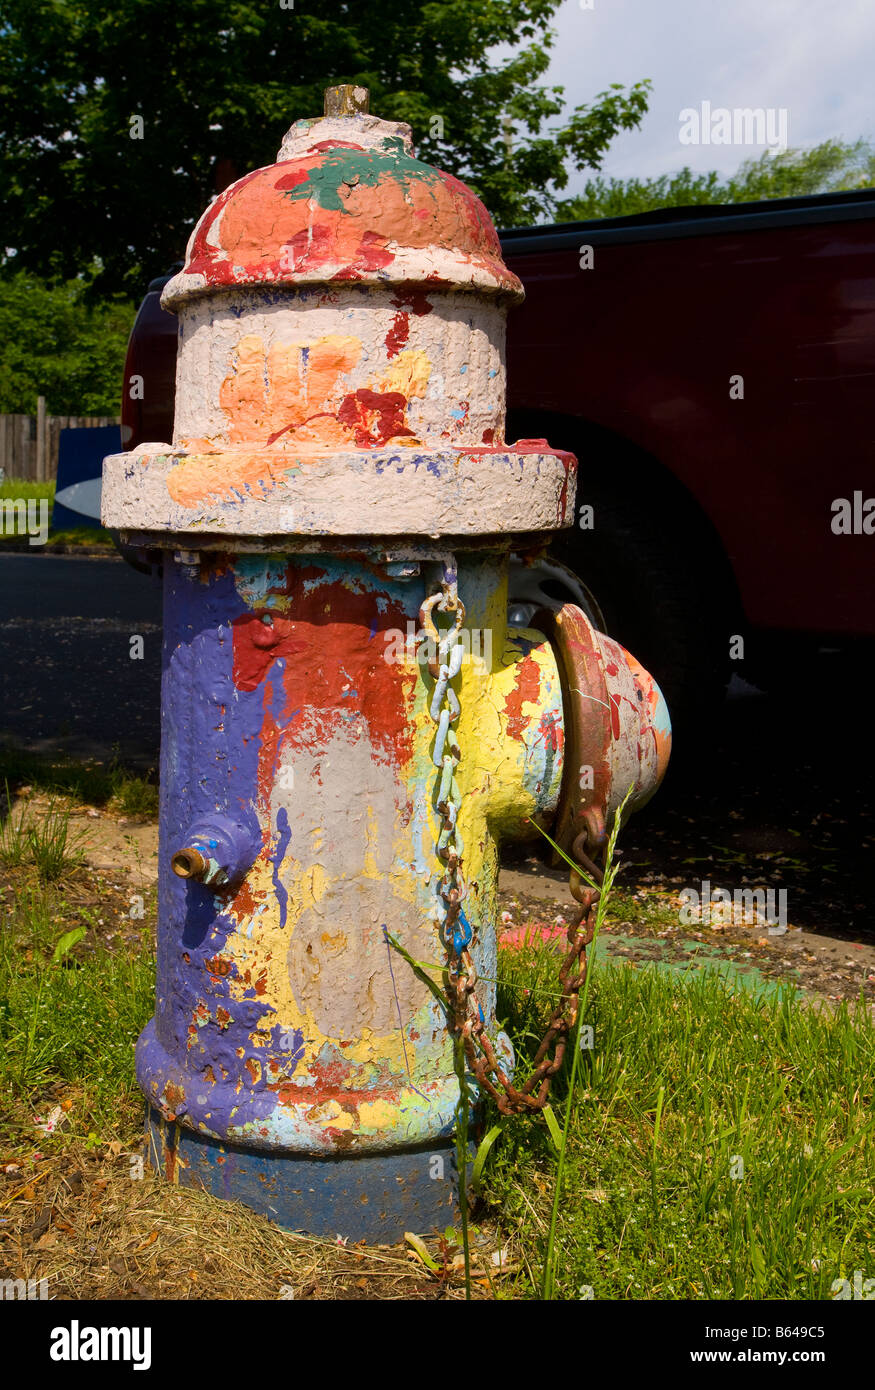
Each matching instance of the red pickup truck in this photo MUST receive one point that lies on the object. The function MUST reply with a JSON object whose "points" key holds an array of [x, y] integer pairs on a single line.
{"points": [[713, 369]]}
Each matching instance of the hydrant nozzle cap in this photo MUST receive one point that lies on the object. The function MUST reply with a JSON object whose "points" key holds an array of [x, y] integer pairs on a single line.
{"points": [[346, 100]]}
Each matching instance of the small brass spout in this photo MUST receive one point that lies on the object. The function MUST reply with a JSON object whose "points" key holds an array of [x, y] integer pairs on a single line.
{"points": [[188, 863]]}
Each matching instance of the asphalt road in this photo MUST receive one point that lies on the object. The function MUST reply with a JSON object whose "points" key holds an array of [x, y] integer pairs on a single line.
{"points": [[779, 795], [67, 681]]}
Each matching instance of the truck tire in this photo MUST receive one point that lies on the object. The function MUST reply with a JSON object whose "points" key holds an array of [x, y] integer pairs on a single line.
{"points": [[662, 599]]}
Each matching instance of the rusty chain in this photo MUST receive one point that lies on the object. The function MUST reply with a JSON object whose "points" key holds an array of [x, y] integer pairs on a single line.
{"points": [[456, 931]]}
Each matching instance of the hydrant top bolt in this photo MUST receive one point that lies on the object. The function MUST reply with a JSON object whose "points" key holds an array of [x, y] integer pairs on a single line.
{"points": [[346, 100]]}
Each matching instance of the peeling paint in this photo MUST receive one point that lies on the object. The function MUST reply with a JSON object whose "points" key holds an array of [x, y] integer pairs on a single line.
{"points": [[339, 429]]}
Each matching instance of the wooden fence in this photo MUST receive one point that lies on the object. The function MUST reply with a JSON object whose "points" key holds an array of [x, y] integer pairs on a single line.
{"points": [[29, 443]]}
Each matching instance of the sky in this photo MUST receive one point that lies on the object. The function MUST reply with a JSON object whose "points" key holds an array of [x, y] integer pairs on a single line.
{"points": [[814, 60]]}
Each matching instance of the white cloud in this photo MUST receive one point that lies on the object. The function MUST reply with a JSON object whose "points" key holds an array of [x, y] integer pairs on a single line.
{"points": [[811, 58]]}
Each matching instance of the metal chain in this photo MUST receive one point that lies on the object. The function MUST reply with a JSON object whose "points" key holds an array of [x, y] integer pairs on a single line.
{"points": [[456, 931], [444, 710]]}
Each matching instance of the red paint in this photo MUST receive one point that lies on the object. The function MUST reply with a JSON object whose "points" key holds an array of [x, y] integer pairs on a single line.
{"points": [[522, 446], [268, 752], [416, 301], [551, 731], [310, 1096], [372, 253], [292, 180], [200, 262], [388, 406], [335, 675], [526, 690], [219, 966], [244, 904], [398, 334], [311, 246], [335, 145], [563, 495], [488, 436], [615, 715]]}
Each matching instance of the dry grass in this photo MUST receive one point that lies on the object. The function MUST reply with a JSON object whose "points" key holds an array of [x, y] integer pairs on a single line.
{"points": [[80, 1220]]}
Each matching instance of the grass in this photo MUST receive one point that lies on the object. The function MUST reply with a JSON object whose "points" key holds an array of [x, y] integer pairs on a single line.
{"points": [[15, 488], [19, 487], [94, 783], [76, 971], [68, 1020], [55, 847], [718, 1142], [14, 840], [719, 1146]]}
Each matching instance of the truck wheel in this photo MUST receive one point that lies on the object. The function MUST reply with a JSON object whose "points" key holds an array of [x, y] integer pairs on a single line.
{"points": [[661, 597]]}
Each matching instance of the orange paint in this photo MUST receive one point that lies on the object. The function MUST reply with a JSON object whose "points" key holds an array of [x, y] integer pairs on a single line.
{"points": [[267, 394], [263, 227]]}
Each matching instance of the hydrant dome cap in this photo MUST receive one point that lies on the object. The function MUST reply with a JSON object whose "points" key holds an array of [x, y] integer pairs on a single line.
{"points": [[357, 209]]}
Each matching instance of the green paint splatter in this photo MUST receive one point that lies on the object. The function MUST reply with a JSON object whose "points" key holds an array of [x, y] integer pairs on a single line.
{"points": [[354, 168]]}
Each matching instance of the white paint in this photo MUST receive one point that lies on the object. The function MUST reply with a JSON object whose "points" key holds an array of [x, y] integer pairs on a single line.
{"points": [[463, 340], [365, 492]]}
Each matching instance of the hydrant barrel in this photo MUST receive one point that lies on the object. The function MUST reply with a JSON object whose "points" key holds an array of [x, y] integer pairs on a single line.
{"points": [[350, 728]]}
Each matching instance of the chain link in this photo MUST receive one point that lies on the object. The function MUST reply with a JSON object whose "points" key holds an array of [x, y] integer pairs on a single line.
{"points": [[456, 931]]}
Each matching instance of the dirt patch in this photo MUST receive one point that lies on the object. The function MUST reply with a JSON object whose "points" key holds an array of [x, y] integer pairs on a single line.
{"points": [[643, 926], [109, 842]]}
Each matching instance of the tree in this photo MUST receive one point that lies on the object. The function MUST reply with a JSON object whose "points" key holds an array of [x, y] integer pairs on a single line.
{"points": [[831, 167], [53, 344], [123, 117]]}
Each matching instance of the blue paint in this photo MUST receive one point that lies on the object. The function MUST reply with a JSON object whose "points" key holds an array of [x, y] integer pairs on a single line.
{"points": [[284, 835], [368, 1197]]}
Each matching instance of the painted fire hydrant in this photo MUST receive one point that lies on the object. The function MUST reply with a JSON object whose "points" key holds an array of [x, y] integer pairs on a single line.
{"points": [[347, 717]]}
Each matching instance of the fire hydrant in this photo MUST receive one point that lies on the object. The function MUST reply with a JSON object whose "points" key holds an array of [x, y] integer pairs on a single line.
{"points": [[347, 717]]}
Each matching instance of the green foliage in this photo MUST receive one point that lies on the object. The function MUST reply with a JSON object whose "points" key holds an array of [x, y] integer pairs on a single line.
{"points": [[720, 1145], [66, 1019], [218, 85], [97, 784], [55, 344], [23, 490], [56, 848], [831, 167]]}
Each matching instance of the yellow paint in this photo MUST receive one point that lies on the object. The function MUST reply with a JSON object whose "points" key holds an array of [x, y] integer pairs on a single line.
{"points": [[336, 942], [408, 373], [491, 780], [378, 1114], [330, 1114], [372, 833]]}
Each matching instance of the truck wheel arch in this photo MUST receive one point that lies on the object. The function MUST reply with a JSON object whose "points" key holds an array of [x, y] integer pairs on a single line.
{"points": [[653, 560]]}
